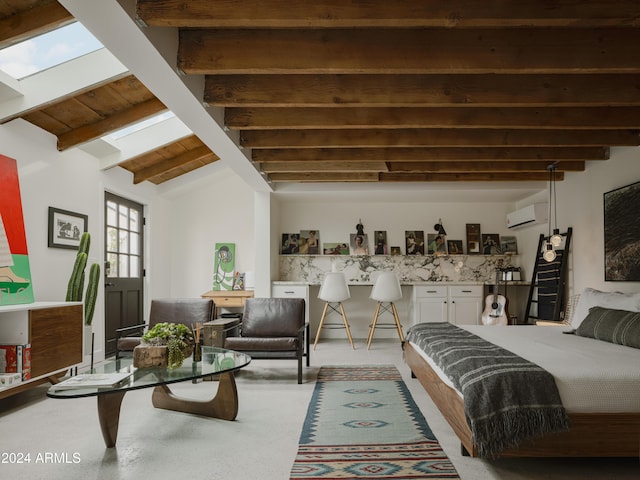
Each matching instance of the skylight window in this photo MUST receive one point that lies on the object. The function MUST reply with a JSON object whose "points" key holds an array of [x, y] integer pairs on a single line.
{"points": [[47, 50], [136, 127]]}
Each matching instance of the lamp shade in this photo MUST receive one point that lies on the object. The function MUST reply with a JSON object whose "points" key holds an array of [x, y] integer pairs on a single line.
{"points": [[386, 288], [334, 288]]}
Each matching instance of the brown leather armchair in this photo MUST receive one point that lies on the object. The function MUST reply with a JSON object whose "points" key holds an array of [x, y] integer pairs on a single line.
{"points": [[273, 328], [187, 311]]}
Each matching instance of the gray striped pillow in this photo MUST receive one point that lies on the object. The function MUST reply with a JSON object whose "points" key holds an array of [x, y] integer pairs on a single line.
{"points": [[609, 325]]}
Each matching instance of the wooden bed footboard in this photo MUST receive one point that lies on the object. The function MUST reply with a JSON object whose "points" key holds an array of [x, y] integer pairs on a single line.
{"points": [[590, 435]]}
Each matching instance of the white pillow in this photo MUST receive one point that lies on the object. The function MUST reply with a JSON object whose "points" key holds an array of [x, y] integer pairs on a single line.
{"points": [[591, 297]]}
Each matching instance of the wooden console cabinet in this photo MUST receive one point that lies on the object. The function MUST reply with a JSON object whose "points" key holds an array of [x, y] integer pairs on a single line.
{"points": [[55, 332]]}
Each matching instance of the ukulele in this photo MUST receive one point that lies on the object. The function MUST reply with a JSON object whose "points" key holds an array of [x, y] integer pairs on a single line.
{"points": [[495, 311]]}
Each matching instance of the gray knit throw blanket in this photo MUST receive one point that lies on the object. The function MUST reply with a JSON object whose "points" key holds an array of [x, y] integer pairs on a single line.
{"points": [[507, 399]]}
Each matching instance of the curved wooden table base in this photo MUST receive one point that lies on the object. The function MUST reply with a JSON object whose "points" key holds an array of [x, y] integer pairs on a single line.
{"points": [[224, 405]]}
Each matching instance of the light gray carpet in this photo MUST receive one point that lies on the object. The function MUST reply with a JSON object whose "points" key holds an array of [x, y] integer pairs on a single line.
{"points": [[260, 444]]}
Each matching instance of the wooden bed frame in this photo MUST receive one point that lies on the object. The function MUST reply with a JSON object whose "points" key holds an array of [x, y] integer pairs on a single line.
{"points": [[590, 435]]}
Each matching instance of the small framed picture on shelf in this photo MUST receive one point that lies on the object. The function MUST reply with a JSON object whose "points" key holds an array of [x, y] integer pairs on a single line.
{"points": [[396, 251], [509, 244], [290, 243], [359, 244], [436, 244], [380, 243], [309, 242], [414, 242], [491, 244], [473, 238], [454, 247], [335, 248]]}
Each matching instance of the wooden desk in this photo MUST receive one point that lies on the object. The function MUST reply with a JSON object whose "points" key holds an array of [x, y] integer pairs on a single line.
{"points": [[228, 298]]}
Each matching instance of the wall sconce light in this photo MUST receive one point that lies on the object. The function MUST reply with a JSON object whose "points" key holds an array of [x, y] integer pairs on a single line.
{"points": [[439, 228]]}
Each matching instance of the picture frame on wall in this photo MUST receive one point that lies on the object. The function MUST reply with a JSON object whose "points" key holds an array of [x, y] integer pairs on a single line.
{"points": [[436, 244], [380, 242], [290, 244], [414, 242], [622, 234], [491, 244], [454, 247], [66, 228], [309, 242], [335, 248], [509, 244], [473, 238]]}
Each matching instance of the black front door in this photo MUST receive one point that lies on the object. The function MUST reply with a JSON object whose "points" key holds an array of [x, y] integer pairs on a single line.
{"points": [[124, 229]]}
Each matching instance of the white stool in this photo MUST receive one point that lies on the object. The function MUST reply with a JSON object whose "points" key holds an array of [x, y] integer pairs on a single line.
{"points": [[386, 290], [334, 291]]}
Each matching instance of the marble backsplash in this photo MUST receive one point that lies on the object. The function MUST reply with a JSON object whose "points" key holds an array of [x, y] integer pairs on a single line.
{"points": [[310, 269]]}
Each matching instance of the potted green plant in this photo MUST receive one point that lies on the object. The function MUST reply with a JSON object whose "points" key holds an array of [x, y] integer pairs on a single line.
{"points": [[177, 337]]}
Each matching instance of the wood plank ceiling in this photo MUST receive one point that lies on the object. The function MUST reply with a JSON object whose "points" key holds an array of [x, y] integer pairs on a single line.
{"points": [[426, 91], [378, 90]]}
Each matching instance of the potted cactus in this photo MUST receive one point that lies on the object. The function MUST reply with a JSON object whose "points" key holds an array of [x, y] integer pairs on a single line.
{"points": [[75, 287]]}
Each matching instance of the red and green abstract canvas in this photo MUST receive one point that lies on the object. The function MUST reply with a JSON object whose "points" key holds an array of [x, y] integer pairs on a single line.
{"points": [[15, 273]]}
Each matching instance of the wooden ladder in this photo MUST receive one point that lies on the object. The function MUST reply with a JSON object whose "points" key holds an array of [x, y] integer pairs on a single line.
{"points": [[548, 282]]}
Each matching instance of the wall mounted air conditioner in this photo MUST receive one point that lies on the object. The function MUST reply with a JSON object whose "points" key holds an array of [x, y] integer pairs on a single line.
{"points": [[531, 215]]}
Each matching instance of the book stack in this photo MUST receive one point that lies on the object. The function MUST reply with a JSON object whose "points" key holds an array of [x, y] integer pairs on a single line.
{"points": [[16, 359]]}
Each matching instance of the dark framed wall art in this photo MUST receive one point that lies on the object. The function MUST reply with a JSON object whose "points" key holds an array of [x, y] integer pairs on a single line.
{"points": [[66, 228], [622, 234]]}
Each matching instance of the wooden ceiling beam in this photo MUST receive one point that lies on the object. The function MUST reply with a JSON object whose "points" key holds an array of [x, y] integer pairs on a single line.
{"points": [[421, 154], [472, 167], [436, 137], [110, 124], [373, 90], [419, 51], [433, 117], [323, 166], [469, 177], [203, 154], [383, 13], [30, 22], [317, 177]]}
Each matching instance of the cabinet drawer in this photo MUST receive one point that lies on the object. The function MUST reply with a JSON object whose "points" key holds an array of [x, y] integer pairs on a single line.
{"points": [[427, 291], [229, 301], [289, 291], [465, 291]]}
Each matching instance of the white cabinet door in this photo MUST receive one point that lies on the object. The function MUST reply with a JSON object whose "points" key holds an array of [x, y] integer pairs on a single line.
{"points": [[429, 303], [465, 310], [432, 309], [465, 304]]}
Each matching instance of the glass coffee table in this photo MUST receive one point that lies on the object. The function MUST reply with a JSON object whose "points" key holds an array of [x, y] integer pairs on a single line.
{"points": [[215, 361]]}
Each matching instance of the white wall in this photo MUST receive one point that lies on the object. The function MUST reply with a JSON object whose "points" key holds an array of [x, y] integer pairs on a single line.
{"points": [[220, 210]]}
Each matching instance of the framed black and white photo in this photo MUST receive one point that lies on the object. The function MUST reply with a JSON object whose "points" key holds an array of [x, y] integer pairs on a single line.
{"points": [[622, 234], [66, 228]]}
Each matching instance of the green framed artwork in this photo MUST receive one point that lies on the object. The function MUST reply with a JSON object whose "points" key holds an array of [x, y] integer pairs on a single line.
{"points": [[223, 266]]}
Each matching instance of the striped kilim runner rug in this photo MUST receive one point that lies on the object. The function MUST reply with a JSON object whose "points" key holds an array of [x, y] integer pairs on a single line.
{"points": [[363, 423]]}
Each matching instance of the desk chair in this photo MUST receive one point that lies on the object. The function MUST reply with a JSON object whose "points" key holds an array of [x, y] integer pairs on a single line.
{"points": [[386, 290], [334, 291]]}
